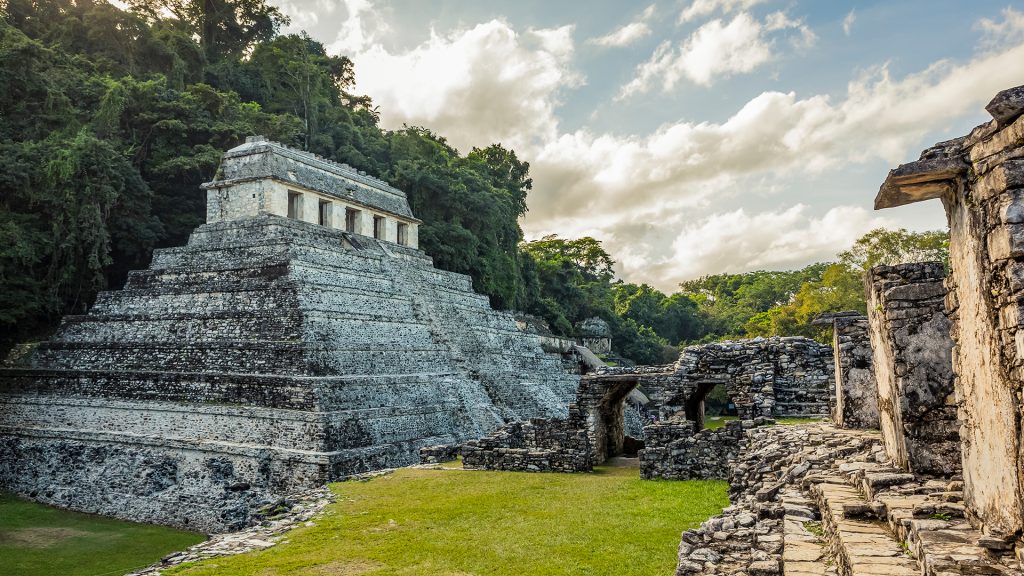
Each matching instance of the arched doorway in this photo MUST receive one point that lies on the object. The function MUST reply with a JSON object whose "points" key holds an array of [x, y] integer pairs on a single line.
{"points": [[601, 400]]}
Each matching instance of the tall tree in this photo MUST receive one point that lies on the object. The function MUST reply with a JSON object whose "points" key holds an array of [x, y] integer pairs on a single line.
{"points": [[223, 28]]}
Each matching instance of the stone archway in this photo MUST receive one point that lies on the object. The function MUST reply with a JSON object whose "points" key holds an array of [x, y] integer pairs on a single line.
{"points": [[694, 405], [600, 404]]}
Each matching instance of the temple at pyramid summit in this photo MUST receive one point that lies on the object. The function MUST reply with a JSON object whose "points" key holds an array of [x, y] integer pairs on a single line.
{"points": [[300, 336]]}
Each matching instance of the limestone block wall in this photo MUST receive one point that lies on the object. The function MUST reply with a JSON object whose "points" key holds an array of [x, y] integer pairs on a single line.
{"points": [[777, 376], [536, 445], [856, 390], [677, 451], [913, 367], [980, 180]]}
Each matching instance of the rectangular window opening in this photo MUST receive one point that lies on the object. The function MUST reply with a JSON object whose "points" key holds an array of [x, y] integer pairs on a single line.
{"points": [[325, 213], [403, 234], [295, 205], [378, 227], [352, 221]]}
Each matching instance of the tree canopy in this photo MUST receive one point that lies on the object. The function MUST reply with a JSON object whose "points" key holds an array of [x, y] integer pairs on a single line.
{"points": [[110, 119]]}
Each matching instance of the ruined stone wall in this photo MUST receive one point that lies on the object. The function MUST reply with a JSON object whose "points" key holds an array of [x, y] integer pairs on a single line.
{"points": [[677, 451], [536, 445], [856, 391], [777, 376], [913, 367]]}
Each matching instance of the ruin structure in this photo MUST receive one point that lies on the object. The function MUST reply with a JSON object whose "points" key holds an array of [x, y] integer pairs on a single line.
{"points": [[856, 394], [772, 377], [980, 181], [763, 377], [913, 367], [299, 337]]}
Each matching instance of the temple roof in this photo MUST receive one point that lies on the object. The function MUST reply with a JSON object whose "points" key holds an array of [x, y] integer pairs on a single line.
{"points": [[259, 158]]}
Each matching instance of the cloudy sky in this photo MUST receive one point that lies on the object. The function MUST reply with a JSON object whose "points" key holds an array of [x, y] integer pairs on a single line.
{"points": [[690, 136]]}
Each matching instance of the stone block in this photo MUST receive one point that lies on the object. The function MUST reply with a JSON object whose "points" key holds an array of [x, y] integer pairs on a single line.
{"points": [[913, 367]]}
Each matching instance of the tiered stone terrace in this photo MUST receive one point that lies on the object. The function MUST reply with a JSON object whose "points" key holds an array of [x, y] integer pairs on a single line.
{"points": [[267, 356]]}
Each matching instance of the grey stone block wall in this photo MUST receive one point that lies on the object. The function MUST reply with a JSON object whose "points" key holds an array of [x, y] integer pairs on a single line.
{"points": [[789, 376], [856, 391], [678, 451], [266, 356], [913, 367], [980, 181]]}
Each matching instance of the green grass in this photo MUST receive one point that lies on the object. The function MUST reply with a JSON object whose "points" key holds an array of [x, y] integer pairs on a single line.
{"points": [[716, 422], [796, 421], [438, 522], [44, 541]]}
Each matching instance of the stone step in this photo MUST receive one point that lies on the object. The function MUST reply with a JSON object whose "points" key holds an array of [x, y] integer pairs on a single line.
{"points": [[804, 550], [861, 547]]}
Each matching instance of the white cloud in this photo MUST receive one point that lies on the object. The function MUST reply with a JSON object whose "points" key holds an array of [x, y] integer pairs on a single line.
{"points": [[686, 189], [642, 193], [477, 86], [699, 8], [739, 241], [999, 33], [304, 17], [362, 27], [714, 50], [624, 36], [848, 21], [629, 33]]}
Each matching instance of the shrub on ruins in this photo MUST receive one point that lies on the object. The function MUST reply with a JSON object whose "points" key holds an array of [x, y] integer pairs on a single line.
{"points": [[891, 247]]}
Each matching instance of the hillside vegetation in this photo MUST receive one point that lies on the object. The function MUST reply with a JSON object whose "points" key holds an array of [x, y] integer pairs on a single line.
{"points": [[110, 120]]}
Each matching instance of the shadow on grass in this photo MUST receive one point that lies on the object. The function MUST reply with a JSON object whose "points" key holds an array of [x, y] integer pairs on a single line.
{"points": [[39, 540]]}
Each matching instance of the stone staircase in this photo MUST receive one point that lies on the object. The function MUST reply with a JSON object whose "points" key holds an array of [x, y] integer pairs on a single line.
{"points": [[845, 512]]}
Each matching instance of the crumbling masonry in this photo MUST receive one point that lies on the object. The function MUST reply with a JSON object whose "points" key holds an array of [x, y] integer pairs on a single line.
{"points": [[980, 181], [913, 367], [298, 338], [856, 393]]}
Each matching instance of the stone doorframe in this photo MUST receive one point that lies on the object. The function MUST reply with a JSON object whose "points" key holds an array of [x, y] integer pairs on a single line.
{"points": [[600, 403]]}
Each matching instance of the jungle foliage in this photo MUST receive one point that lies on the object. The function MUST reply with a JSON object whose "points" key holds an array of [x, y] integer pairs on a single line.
{"points": [[110, 120]]}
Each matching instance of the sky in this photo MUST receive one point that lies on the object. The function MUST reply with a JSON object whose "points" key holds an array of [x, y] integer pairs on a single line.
{"points": [[691, 137]]}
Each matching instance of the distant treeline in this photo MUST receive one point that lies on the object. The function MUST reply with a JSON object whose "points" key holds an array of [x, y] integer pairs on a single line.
{"points": [[110, 120]]}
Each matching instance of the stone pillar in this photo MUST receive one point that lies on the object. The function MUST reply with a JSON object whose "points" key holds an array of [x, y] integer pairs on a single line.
{"points": [[913, 367], [980, 180], [856, 392]]}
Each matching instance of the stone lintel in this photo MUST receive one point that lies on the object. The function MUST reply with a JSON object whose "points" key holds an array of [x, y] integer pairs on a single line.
{"points": [[923, 179]]}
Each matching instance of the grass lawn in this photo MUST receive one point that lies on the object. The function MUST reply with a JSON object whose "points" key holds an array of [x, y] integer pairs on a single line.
{"points": [[438, 522], [39, 540], [716, 422]]}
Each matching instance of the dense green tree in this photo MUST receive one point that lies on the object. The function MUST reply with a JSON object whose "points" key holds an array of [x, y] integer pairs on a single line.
{"points": [[224, 29], [881, 246]]}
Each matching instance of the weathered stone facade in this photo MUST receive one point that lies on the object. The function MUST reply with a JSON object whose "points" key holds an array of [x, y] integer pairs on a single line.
{"points": [[856, 390], [772, 377], [537, 445], [980, 180], [678, 451], [267, 356], [754, 371], [913, 367]]}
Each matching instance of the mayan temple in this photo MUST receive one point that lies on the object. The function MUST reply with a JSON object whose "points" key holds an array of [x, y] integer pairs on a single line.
{"points": [[300, 336]]}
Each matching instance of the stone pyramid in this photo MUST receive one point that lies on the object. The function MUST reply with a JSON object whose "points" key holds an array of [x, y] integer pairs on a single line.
{"points": [[268, 355]]}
